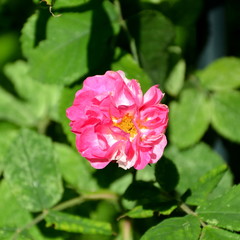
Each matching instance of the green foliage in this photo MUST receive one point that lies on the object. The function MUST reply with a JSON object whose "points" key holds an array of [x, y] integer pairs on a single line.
{"points": [[210, 233], [175, 80], [154, 26], [205, 185], [32, 172], [222, 211], [132, 70], [190, 118], [69, 223], [193, 163], [166, 174], [218, 77], [66, 100], [226, 124], [187, 228], [62, 60], [75, 171], [139, 212], [48, 191]]}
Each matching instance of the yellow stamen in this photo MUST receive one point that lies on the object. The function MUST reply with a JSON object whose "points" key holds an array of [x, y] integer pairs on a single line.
{"points": [[126, 124]]}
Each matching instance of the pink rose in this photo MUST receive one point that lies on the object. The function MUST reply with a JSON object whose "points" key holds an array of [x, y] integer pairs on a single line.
{"points": [[114, 121]]}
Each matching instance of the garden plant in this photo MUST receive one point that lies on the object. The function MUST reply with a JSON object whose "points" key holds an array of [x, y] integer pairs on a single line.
{"points": [[113, 124]]}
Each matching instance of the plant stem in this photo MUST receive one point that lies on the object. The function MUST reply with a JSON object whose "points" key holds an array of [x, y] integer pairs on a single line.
{"points": [[132, 42], [36, 220], [189, 211], [126, 229], [67, 204]]}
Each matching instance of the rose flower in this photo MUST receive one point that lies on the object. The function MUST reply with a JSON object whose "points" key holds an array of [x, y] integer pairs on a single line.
{"points": [[114, 121]]}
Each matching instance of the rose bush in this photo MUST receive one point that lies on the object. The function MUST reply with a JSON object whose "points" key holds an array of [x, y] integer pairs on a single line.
{"points": [[114, 121]]}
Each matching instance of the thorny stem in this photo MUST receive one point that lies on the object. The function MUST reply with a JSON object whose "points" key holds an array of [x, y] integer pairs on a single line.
{"points": [[125, 28], [67, 204]]}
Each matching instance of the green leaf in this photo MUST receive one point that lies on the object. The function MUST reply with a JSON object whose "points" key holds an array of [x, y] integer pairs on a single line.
{"points": [[48, 2], [139, 212], [31, 171], [189, 118], [182, 228], [152, 39], [146, 174], [9, 207], [70, 223], [54, 61], [66, 100], [222, 74], [42, 99], [9, 47], [121, 184], [13, 215], [141, 191], [192, 163], [62, 59], [28, 36], [205, 185], [105, 211], [8, 233], [210, 233], [224, 184], [14, 110], [225, 112], [175, 80], [68, 4], [75, 169], [150, 197], [166, 174], [8, 133], [223, 211], [132, 71]]}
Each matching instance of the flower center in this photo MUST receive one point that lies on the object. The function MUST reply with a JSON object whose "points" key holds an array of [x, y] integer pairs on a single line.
{"points": [[126, 124]]}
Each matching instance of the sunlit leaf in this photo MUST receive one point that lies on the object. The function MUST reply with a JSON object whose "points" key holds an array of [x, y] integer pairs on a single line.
{"points": [[193, 163], [28, 34], [206, 184], [189, 118], [127, 64], [7, 233], [8, 133], [221, 74], [31, 171], [223, 211], [139, 212], [13, 215], [71, 223], [14, 110], [70, 51], [225, 112], [175, 80], [75, 169], [210, 233], [67, 3], [182, 228], [42, 99]]}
